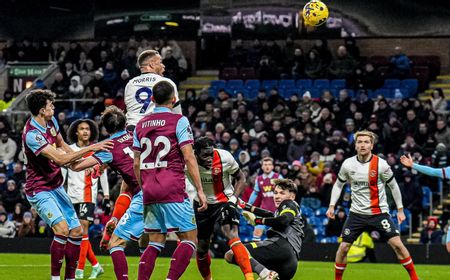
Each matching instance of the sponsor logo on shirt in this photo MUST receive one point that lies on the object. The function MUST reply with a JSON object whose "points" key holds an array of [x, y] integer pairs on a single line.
{"points": [[53, 131]]}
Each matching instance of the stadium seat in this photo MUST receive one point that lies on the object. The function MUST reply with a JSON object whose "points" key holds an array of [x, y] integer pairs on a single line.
{"points": [[218, 84], [386, 93], [427, 197], [304, 83], [251, 94], [412, 85], [391, 83], [307, 211], [286, 84], [315, 93], [312, 202], [235, 84], [322, 83], [338, 84], [247, 73], [404, 227], [252, 84], [321, 212], [270, 84]]}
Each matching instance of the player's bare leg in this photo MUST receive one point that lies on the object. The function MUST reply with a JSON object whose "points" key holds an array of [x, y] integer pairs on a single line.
{"points": [[183, 253], [403, 256], [143, 242], [241, 254], [341, 259], [148, 258], [204, 259], [116, 249], [72, 251]]}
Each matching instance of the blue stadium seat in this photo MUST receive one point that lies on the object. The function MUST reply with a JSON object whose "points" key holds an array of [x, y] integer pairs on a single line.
{"points": [[321, 212], [251, 94], [404, 227], [286, 84], [307, 211], [412, 85], [322, 83], [252, 84], [213, 91], [304, 83], [381, 91], [351, 93], [312, 202], [218, 84], [391, 83], [338, 83], [291, 92], [426, 199], [270, 84], [235, 84], [319, 231]]}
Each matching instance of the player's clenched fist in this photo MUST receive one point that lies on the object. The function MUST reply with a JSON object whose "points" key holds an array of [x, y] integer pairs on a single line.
{"points": [[330, 212]]}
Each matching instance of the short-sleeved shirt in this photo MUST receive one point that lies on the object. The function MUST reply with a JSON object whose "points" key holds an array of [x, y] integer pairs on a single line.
{"points": [[42, 173], [217, 182], [120, 159], [364, 198], [159, 137], [138, 93]]}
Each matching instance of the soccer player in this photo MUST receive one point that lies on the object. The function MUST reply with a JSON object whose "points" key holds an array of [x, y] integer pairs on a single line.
{"points": [[218, 169], [82, 191], [368, 176], [162, 146], [45, 152], [139, 90], [263, 184], [120, 159], [277, 256], [138, 101]]}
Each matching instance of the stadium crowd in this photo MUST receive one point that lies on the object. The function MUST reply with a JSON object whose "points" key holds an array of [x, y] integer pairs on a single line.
{"points": [[308, 138]]}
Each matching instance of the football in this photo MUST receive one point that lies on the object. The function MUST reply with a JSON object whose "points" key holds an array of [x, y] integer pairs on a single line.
{"points": [[315, 13]]}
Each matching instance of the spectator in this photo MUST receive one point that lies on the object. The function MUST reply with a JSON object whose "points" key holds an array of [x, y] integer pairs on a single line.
{"points": [[315, 166], [121, 83], [400, 65], [96, 229], [87, 74], [129, 62], [314, 65], [438, 102], [244, 159], [343, 66], [18, 174], [280, 148], [297, 64], [238, 55], [321, 47], [59, 86], [431, 233], [297, 147], [7, 228], [11, 196], [412, 197], [27, 228], [370, 78], [3, 185], [7, 100], [172, 70], [234, 148], [76, 89], [69, 72], [411, 124], [307, 181], [109, 76], [268, 69], [334, 227], [8, 148], [442, 134]]}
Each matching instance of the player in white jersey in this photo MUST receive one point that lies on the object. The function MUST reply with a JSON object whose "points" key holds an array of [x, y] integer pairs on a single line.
{"points": [[139, 90], [82, 189], [218, 169], [368, 176]]}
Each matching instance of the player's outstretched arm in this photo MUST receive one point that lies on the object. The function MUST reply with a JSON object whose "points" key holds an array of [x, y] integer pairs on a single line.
{"points": [[253, 209], [335, 194], [407, 161], [61, 158], [83, 164], [194, 173]]}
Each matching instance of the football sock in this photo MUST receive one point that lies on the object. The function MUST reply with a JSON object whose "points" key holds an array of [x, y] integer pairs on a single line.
{"points": [[83, 252], [72, 256], [241, 257], [57, 251], [119, 262], [409, 266], [90, 254], [259, 268], [148, 258], [180, 259], [141, 250], [122, 204], [204, 264], [339, 270]]}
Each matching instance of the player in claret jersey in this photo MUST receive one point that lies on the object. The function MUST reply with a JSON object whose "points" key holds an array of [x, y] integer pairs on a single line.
{"points": [[218, 169], [43, 187], [368, 176], [120, 159], [162, 147], [281, 251], [264, 187], [82, 189]]}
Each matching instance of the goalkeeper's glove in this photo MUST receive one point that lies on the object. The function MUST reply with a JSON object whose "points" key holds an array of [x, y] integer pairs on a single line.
{"points": [[250, 217]]}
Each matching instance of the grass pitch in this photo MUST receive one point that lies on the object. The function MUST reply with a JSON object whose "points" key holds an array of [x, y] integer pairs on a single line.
{"points": [[33, 266]]}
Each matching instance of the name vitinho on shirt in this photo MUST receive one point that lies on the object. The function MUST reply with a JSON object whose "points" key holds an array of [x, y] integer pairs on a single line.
{"points": [[153, 123]]}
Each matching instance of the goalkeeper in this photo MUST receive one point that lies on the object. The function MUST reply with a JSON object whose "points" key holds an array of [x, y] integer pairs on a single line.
{"points": [[281, 251]]}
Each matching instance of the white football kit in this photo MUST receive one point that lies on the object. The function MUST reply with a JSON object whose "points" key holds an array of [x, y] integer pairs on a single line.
{"points": [[138, 93], [368, 181]]}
